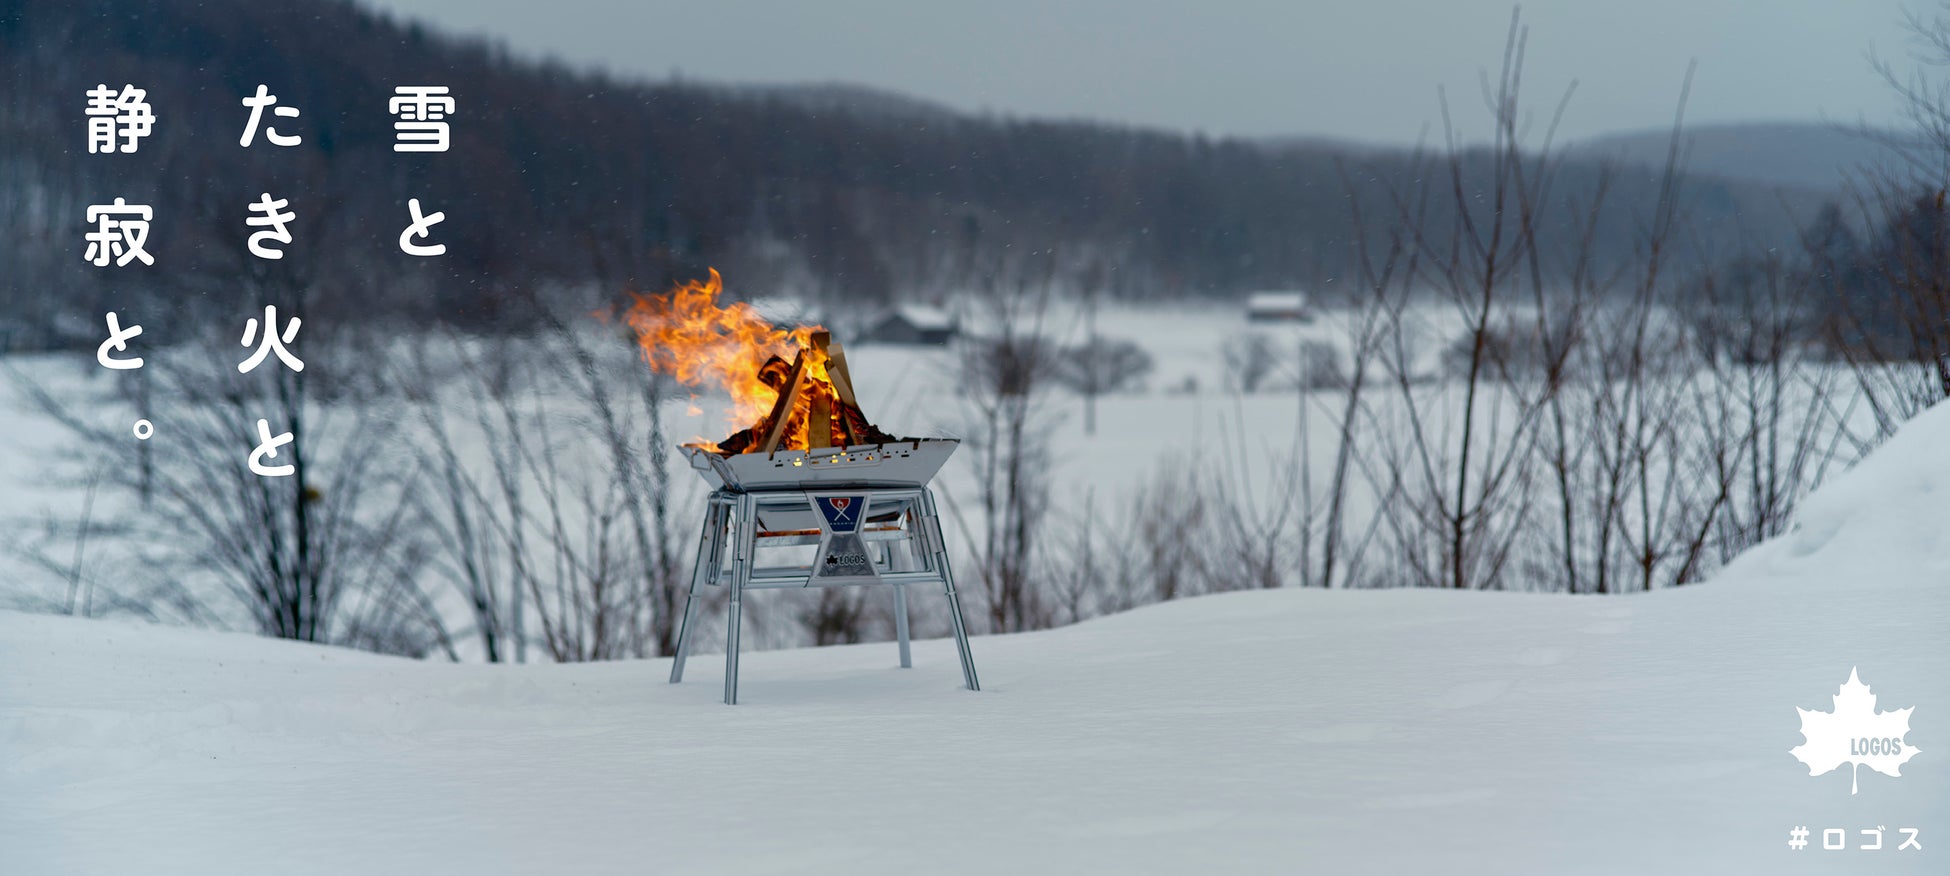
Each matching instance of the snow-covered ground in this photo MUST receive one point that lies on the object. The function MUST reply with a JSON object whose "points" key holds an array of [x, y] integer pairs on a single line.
{"points": [[1183, 411], [1411, 732]]}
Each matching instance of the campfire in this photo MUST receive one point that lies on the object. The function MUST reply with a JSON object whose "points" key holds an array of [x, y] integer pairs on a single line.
{"points": [[804, 468], [790, 389]]}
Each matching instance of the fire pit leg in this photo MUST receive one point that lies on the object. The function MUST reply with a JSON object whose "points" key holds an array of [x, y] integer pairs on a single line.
{"points": [[961, 635], [900, 624], [731, 647], [710, 559], [939, 547], [741, 570]]}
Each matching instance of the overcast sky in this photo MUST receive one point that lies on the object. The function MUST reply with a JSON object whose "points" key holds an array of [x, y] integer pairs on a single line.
{"points": [[1359, 69]]}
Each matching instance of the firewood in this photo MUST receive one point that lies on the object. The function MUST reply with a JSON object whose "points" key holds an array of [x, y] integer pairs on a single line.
{"points": [[737, 443], [853, 429], [844, 435], [774, 372], [819, 422], [833, 418], [841, 377], [782, 409], [862, 431]]}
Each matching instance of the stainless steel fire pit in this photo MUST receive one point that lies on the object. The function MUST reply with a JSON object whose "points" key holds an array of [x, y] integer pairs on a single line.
{"points": [[905, 463], [865, 510]]}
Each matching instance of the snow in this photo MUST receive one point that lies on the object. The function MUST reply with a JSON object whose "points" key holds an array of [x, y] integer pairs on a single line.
{"points": [[907, 390], [1275, 731]]}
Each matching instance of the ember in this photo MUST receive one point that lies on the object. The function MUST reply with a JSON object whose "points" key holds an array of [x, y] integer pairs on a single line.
{"points": [[802, 402]]}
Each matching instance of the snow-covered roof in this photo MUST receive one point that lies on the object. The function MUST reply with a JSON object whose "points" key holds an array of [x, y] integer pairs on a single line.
{"points": [[1276, 301], [924, 317]]}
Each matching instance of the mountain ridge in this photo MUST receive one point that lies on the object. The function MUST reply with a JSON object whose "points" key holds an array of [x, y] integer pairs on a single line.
{"points": [[564, 179]]}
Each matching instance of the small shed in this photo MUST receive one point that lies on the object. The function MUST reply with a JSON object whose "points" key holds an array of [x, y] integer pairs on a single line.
{"points": [[914, 324], [1282, 306]]}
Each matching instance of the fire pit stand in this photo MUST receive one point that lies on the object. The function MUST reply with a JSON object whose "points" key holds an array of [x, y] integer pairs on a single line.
{"points": [[864, 513]]}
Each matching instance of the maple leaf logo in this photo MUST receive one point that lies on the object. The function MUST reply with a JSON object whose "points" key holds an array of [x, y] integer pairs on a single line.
{"points": [[1855, 733]]}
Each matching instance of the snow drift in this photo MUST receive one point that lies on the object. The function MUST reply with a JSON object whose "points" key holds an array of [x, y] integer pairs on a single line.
{"points": [[1279, 731]]}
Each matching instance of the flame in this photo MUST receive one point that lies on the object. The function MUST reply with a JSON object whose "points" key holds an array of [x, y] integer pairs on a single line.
{"points": [[687, 334]]}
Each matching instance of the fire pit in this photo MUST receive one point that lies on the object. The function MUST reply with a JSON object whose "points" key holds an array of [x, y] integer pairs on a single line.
{"points": [[811, 472]]}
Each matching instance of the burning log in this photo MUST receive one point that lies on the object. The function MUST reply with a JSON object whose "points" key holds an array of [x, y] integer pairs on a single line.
{"points": [[804, 403], [782, 409], [774, 373], [809, 410], [812, 409], [861, 431], [819, 423], [737, 443]]}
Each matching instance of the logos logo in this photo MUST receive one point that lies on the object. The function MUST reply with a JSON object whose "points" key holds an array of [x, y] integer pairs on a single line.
{"points": [[1854, 733]]}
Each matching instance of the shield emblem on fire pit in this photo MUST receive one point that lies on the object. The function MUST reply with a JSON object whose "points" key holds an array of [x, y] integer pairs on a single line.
{"points": [[842, 556], [841, 512]]}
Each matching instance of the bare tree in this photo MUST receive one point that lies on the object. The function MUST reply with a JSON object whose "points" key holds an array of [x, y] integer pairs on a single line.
{"points": [[1100, 366], [324, 554], [1464, 474], [1250, 358], [1890, 304], [529, 530], [1004, 376]]}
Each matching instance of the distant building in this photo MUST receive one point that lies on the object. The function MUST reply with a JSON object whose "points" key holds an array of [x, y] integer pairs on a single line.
{"points": [[1278, 307], [914, 324]]}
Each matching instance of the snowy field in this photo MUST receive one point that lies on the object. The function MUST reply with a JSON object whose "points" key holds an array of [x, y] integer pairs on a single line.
{"points": [[1184, 410], [1410, 732]]}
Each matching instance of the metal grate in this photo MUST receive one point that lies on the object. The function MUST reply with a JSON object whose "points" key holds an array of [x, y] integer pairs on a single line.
{"points": [[866, 528]]}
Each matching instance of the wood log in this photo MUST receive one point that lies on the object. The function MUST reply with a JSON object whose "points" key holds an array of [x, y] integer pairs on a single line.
{"points": [[782, 409], [844, 435], [852, 423], [862, 431], [841, 377], [737, 443], [846, 432], [819, 422], [774, 372]]}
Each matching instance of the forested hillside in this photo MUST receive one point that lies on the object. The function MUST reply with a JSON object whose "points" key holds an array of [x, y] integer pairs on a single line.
{"points": [[562, 179]]}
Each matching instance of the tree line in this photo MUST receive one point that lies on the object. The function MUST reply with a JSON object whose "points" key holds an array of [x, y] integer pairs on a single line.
{"points": [[559, 178]]}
